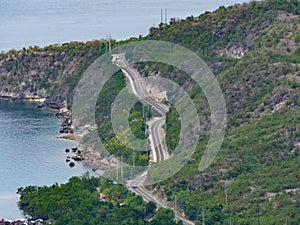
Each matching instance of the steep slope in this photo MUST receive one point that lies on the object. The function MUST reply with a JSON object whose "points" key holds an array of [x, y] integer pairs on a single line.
{"points": [[254, 52], [50, 72]]}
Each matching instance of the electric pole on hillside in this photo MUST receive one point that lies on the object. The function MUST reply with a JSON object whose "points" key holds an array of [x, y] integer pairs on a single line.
{"points": [[133, 159], [122, 174], [145, 116], [108, 43], [203, 223], [117, 173], [175, 206], [143, 111], [226, 200], [133, 164], [108, 39], [226, 197], [258, 215]]}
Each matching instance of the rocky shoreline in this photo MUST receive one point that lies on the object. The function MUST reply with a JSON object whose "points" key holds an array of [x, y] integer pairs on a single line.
{"points": [[67, 132], [25, 97], [83, 153], [21, 222]]}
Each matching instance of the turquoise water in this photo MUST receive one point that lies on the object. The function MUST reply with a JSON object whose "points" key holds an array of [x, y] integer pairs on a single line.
{"points": [[30, 153], [42, 22]]}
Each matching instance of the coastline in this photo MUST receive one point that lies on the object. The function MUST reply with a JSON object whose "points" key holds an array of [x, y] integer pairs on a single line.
{"points": [[85, 153], [41, 140]]}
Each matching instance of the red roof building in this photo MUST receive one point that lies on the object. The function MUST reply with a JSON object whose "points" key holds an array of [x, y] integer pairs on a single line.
{"points": [[102, 196]]}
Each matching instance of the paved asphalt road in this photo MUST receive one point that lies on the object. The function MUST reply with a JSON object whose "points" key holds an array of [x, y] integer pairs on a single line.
{"points": [[138, 88]]}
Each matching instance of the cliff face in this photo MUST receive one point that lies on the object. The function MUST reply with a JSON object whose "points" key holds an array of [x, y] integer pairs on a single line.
{"points": [[48, 73]]}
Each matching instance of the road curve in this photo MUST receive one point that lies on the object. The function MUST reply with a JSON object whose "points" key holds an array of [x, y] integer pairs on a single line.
{"points": [[136, 185], [138, 90], [158, 148]]}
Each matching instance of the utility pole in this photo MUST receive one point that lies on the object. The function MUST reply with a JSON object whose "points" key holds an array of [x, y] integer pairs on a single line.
{"points": [[161, 16], [258, 215], [133, 159], [117, 171], [143, 112], [146, 130], [108, 39], [122, 174], [109, 43], [226, 197], [175, 206], [145, 122], [203, 223]]}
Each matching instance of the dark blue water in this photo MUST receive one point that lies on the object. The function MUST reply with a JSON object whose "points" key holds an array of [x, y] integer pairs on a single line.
{"points": [[42, 22], [30, 153]]}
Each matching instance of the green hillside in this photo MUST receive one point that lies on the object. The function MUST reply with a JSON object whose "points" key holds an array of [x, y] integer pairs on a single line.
{"points": [[90, 200], [254, 51]]}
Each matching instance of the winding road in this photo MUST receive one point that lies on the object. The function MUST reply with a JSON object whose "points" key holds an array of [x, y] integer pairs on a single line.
{"points": [[155, 140], [138, 88], [159, 154]]}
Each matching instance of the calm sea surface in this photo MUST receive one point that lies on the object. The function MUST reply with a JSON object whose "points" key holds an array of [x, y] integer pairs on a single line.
{"points": [[30, 153], [43, 22]]}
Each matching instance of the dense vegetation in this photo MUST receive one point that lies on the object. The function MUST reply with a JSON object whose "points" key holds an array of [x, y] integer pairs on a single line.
{"points": [[136, 121], [254, 51], [77, 202], [258, 163]]}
